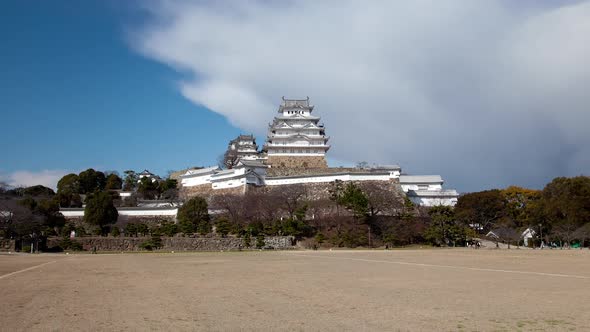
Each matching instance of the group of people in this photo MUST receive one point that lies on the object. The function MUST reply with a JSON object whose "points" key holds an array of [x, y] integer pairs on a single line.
{"points": [[473, 244]]}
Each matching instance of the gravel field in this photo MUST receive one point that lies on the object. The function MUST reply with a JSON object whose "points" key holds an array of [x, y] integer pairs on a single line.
{"points": [[353, 290]]}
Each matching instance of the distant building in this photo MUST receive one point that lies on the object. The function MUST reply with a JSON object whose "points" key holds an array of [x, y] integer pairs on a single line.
{"points": [[242, 147], [427, 190], [147, 174], [296, 139]]}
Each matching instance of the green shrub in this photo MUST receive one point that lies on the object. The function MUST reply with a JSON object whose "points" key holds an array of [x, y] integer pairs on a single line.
{"points": [[247, 240], [155, 242], [260, 241], [131, 229], [26, 249], [115, 231], [68, 244], [320, 238], [169, 229], [222, 227]]}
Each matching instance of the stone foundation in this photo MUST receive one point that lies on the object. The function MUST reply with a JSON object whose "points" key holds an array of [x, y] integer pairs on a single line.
{"points": [[206, 191], [176, 243], [297, 162]]}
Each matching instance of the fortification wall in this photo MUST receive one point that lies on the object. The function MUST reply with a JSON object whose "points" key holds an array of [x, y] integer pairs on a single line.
{"points": [[298, 162], [321, 191], [284, 171], [176, 243], [124, 219], [206, 191]]}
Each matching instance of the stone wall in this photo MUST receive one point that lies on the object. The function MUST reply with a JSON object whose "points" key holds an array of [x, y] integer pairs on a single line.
{"points": [[298, 162], [321, 191], [206, 191], [176, 243], [272, 172]]}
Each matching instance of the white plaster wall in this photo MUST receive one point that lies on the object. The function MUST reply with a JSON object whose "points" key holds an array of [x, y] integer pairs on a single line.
{"points": [[230, 183], [430, 187], [137, 212], [331, 178], [433, 201], [196, 180], [167, 212], [79, 213]]}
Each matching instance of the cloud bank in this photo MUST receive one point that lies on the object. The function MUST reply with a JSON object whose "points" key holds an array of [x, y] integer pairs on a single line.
{"points": [[47, 178], [486, 93]]}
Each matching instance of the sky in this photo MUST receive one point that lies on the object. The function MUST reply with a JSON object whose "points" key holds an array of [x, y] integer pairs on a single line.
{"points": [[486, 93]]}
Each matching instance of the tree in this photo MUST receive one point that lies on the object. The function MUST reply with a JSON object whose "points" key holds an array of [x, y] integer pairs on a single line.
{"points": [[233, 206], [230, 158], [131, 229], [17, 220], [69, 184], [113, 182], [565, 201], [100, 210], [38, 191], [481, 210], [260, 241], [142, 229], [69, 199], [442, 220], [247, 240], [355, 200], [222, 226], [130, 180], [290, 198], [194, 214], [147, 188], [168, 189], [382, 198], [518, 202], [583, 234], [168, 228], [508, 235], [362, 164], [91, 181]]}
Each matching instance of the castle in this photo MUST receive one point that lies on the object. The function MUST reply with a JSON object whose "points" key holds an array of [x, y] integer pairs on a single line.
{"points": [[294, 153]]}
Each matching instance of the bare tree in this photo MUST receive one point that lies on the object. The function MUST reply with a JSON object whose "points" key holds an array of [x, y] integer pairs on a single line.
{"points": [[565, 232], [290, 198], [233, 205], [583, 234], [384, 198], [263, 207]]}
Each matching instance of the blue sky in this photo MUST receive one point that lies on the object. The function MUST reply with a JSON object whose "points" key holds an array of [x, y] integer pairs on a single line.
{"points": [[485, 93], [74, 95]]}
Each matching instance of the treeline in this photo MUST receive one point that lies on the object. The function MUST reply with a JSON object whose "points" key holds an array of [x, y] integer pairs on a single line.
{"points": [[560, 213], [33, 213], [73, 187], [366, 214], [370, 214]]}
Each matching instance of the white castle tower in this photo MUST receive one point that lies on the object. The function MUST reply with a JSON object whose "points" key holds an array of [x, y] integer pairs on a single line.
{"points": [[295, 138]]}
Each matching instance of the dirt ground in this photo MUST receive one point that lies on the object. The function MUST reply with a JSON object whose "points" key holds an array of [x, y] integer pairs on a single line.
{"points": [[415, 290]]}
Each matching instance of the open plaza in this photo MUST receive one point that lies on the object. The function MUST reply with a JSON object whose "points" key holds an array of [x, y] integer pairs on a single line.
{"points": [[422, 289]]}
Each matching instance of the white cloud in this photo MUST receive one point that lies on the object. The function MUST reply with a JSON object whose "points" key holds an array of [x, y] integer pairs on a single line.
{"points": [[47, 178], [485, 92]]}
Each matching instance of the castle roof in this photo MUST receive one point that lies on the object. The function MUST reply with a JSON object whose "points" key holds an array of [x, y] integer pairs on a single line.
{"points": [[295, 103], [420, 179]]}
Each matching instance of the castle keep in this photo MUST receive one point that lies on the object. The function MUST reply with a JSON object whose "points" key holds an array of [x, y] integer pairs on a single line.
{"points": [[296, 139]]}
